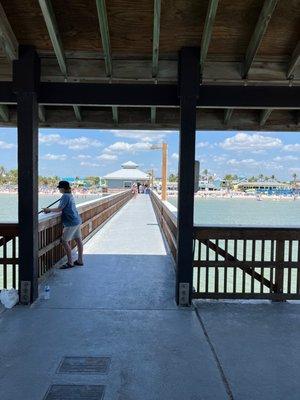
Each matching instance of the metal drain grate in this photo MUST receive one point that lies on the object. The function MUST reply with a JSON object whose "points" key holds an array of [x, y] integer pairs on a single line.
{"points": [[75, 392], [84, 365]]}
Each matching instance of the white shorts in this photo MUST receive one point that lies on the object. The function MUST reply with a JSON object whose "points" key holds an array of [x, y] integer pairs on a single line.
{"points": [[71, 232]]}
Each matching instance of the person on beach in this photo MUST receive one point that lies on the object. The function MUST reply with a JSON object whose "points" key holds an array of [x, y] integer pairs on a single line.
{"points": [[71, 224]]}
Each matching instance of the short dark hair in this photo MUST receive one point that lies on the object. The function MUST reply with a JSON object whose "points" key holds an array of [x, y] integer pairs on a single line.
{"points": [[64, 185]]}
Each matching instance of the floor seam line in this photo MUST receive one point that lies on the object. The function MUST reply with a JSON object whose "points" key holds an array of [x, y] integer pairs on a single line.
{"points": [[215, 355]]}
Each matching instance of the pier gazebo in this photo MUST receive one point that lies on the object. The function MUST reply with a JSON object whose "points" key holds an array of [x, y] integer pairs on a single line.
{"points": [[144, 65]]}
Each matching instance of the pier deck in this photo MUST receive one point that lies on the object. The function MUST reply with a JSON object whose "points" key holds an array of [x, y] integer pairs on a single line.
{"points": [[121, 305]]}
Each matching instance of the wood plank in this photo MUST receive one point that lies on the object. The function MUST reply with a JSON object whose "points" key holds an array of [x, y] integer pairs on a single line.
{"points": [[207, 31], [258, 34], [264, 115], [295, 59]]}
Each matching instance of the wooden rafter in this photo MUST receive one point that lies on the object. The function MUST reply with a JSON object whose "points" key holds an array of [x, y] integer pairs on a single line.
{"points": [[51, 23], [115, 115], [258, 34], [227, 115], [155, 47], [105, 38], [4, 113], [207, 31], [42, 114], [295, 59], [264, 116]]}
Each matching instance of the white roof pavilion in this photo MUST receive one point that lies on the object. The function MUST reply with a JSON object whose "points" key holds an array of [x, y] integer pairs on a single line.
{"points": [[129, 171]]}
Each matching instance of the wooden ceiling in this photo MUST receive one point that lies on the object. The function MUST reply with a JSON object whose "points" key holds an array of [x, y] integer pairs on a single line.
{"points": [[249, 42]]}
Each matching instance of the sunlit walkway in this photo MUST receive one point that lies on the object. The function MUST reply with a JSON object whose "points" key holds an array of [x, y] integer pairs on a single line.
{"points": [[121, 306]]}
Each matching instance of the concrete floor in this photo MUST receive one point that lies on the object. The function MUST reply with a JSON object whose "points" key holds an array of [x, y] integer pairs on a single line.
{"points": [[121, 305]]}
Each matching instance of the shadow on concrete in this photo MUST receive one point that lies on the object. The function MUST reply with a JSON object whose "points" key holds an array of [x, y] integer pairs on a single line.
{"points": [[258, 346]]}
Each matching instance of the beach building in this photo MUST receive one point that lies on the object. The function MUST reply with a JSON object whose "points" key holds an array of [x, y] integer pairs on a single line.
{"points": [[128, 174], [271, 186]]}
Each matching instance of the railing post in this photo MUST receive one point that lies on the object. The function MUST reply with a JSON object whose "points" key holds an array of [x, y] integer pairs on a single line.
{"points": [[188, 85], [26, 78], [279, 266]]}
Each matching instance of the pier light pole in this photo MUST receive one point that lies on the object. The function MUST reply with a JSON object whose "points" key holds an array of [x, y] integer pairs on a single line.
{"points": [[164, 167]]}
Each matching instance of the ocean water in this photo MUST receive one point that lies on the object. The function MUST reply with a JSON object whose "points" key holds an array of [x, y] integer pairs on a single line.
{"points": [[208, 211], [236, 211], [9, 204]]}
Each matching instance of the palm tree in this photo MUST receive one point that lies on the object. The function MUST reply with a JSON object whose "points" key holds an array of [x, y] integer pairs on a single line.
{"points": [[294, 178]]}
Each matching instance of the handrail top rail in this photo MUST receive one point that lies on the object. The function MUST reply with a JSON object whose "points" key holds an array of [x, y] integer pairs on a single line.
{"points": [[81, 207], [219, 227]]}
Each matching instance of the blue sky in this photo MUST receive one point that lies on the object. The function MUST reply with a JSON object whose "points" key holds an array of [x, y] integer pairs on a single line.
{"points": [[82, 152]]}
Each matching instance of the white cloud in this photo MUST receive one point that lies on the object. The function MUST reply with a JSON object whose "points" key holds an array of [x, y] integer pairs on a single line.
{"points": [[203, 144], [107, 157], [49, 139], [119, 147], [219, 159], [286, 158], [143, 135], [292, 147], [175, 156], [88, 164], [252, 163], [253, 143], [5, 145], [82, 157], [78, 143], [55, 157]]}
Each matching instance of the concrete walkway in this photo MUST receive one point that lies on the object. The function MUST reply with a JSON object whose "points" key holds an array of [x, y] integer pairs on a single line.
{"points": [[120, 305]]}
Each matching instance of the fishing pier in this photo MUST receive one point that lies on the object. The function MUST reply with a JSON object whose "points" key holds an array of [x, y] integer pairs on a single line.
{"points": [[142, 305]]}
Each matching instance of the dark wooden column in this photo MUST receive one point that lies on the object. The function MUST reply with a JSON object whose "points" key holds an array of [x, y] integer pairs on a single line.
{"points": [[189, 80], [26, 78]]}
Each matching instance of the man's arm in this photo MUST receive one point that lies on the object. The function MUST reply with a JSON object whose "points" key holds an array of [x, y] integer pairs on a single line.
{"points": [[49, 210]]}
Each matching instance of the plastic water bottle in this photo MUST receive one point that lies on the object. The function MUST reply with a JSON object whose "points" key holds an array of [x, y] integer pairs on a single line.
{"points": [[47, 292]]}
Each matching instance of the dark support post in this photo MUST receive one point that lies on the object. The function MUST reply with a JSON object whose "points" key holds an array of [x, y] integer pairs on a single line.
{"points": [[26, 78], [189, 80]]}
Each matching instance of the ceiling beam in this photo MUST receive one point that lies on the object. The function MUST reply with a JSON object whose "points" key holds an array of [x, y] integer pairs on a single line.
{"points": [[115, 115], [295, 59], [153, 115], [258, 34], [42, 113], [9, 45], [4, 113], [8, 40], [155, 47], [51, 23], [207, 31], [227, 115], [160, 95], [264, 115], [156, 35], [105, 38]]}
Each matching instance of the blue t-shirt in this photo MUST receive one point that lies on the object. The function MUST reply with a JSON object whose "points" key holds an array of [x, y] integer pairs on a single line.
{"points": [[69, 216]]}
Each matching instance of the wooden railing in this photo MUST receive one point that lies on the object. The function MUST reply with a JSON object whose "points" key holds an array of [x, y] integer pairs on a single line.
{"points": [[247, 262], [235, 262], [164, 212], [94, 215], [8, 255]]}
